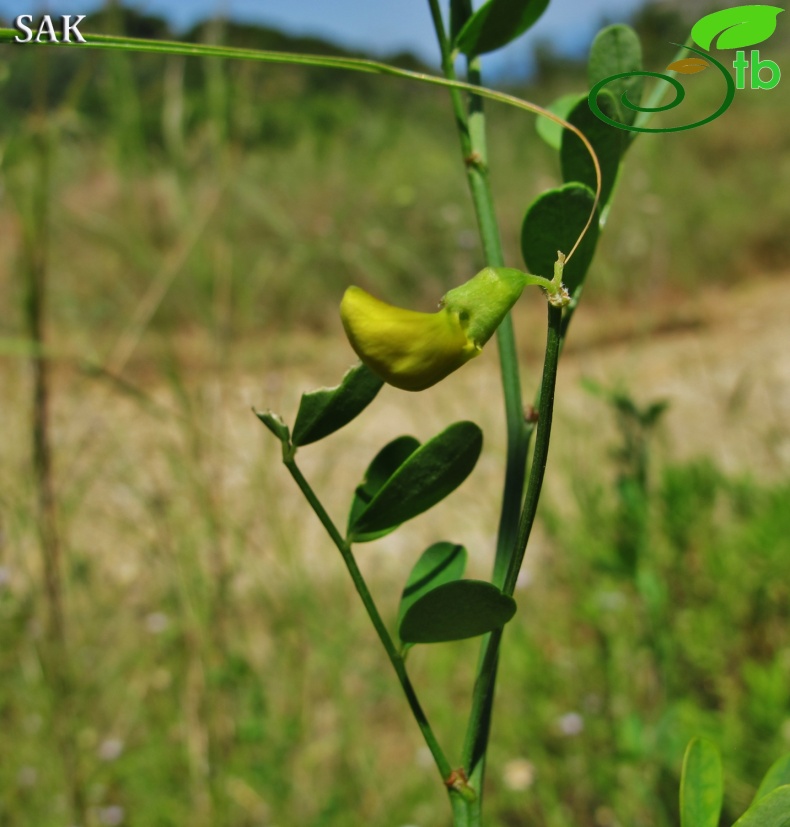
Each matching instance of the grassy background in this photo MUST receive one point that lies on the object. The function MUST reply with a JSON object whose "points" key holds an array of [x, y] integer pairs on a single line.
{"points": [[204, 218]]}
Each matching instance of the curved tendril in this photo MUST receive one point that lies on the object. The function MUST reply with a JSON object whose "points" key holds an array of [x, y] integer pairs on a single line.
{"points": [[351, 64]]}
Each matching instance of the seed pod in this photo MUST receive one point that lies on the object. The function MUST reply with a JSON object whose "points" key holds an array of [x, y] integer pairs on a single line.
{"points": [[413, 350]]}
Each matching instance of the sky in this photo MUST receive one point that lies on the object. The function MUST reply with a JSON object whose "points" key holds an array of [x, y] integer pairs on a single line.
{"points": [[381, 27]]}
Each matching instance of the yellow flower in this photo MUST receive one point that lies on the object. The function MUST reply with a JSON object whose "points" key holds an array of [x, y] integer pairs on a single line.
{"points": [[412, 350]]}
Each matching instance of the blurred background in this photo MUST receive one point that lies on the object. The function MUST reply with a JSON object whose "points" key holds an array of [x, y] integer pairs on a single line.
{"points": [[178, 642]]}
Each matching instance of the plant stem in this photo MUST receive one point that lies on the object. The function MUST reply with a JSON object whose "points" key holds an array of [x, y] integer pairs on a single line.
{"points": [[517, 436], [482, 700], [443, 765], [542, 437], [35, 256], [461, 812], [471, 131]]}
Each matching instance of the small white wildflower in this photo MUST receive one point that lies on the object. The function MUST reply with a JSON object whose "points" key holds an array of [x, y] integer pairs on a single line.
{"points": [[519, 774], [157, 622], [110, 749], [571, 723], [111, 816]]}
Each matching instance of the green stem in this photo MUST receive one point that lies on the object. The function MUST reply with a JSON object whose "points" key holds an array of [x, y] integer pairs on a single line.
{"points": [[482, 699], [659, 90], [542, 437], [471, 130], [462, 816], [396, 659]]}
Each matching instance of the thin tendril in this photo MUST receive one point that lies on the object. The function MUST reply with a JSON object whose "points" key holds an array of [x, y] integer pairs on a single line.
{"points": [[351, 64]]}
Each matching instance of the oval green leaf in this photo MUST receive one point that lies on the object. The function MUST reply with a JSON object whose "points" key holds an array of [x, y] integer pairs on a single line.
{"points": [[550, 131], [433, 471], [324, 411], [460, 12], [438, 564], [777, 776], [773, 810], [608, 142], [553, 222], [701, 785], [497, 23], [455, 611], [737, 28], [617, 49], [384, 465]]}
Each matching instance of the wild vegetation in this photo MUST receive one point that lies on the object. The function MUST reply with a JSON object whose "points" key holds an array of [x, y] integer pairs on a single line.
{"points": [[195, 223]]}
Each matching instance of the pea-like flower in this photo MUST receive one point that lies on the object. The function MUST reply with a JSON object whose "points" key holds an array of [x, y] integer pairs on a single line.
{"points": [[413, 350]]}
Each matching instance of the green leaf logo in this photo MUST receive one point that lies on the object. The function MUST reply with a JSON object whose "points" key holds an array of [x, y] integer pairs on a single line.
{"points": [[684, 67], [737, 28]]}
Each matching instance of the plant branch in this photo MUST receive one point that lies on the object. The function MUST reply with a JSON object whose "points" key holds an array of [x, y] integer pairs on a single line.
{"points": [[542, 437], [396, 659], [482, 700], [471, 127], [472, 133]]}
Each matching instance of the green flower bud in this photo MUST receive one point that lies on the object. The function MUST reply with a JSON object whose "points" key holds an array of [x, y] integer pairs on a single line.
{"points": [[412, 350]]}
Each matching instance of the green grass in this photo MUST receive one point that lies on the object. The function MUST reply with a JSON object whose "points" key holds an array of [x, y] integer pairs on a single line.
{"points": [[217, 647]]}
